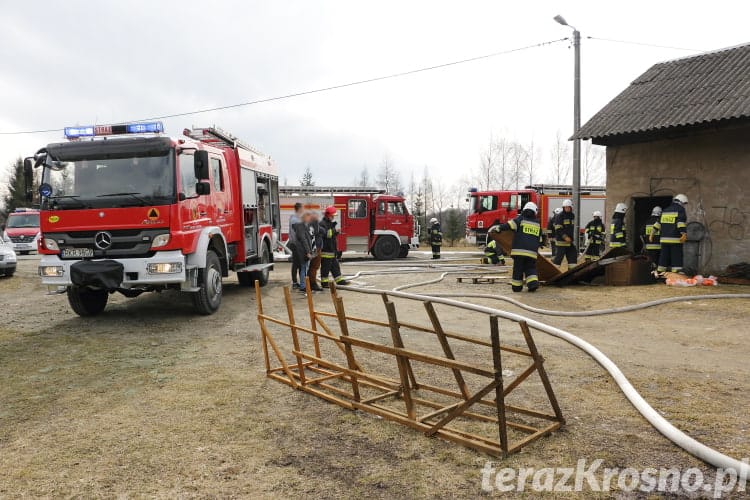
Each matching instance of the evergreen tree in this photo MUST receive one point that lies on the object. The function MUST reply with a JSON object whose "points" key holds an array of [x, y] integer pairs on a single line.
{"points": [[454, 225], [15, 195]]}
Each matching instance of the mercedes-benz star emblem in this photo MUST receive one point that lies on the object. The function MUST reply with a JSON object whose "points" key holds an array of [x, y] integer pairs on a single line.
{"points": [[102, 240]]}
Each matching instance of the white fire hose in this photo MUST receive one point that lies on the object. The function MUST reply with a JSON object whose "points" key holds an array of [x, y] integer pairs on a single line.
{"points": [[709, 455]]}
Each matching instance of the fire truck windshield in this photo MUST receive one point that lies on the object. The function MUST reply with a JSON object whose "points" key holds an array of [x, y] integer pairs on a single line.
{"points": [[112, 182]]}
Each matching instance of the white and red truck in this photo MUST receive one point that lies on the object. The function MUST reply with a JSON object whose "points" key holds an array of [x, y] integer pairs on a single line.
{"points": [[370, 221], [125, 209], [488, 208], [22, 230]]}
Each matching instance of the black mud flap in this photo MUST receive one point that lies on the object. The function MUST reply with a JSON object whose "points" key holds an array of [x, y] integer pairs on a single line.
{"points": [[105, 274]]}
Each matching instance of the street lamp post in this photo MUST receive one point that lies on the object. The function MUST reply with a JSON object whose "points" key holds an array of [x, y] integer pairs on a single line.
{"points": [[576, 126]]}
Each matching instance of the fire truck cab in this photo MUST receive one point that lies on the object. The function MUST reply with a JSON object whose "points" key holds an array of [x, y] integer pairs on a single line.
{"points": [[125, 209], [370, 221]]}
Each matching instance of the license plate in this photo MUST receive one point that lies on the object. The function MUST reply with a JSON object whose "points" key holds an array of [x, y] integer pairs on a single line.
{"points": [[77, 252]]}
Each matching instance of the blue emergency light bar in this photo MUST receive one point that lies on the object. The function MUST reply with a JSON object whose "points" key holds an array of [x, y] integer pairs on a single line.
{"points": [[101, 130]]}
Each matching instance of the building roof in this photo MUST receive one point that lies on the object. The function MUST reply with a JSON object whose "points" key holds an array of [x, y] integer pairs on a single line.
{"points": [[707, 89]]}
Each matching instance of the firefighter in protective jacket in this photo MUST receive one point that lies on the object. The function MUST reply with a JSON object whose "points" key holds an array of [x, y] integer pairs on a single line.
{"points": [[493, 254], [565, 244], [525, 248], [651, 237], [329, 263], [672, 227], [595, 234], [617, 235], [436, 237]]}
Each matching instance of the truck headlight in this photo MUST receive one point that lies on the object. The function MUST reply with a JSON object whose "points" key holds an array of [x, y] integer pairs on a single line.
{"points": [[165, 268], [50, 244], [51, 271], [160, 241]]}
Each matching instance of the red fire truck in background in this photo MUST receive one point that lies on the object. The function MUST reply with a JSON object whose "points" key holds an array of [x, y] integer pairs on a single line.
{"points": [[141, 212], [370, 221], [488, 208]]}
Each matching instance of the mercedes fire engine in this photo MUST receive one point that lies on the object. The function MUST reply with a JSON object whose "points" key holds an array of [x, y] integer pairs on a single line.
{"points": [[126, 209], [488, 208], [370, 221]]}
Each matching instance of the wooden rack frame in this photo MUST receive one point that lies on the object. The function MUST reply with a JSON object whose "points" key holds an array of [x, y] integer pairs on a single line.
{"points": [[359, 389]]}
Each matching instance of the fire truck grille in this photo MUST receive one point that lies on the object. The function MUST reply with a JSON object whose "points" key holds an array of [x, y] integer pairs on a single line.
{"points": [[124, 242]]}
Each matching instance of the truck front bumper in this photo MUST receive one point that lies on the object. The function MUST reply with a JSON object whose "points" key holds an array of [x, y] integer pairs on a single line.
{"points": [[163, 268]]}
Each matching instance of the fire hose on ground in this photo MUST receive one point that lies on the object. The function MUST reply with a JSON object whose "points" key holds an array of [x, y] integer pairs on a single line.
{"points": [[687, 443]]}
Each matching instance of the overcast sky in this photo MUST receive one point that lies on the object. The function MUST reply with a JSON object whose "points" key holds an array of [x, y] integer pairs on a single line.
{"points": [[82, 62]]}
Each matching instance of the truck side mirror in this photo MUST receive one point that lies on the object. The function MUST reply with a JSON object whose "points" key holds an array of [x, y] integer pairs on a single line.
{"points": [[200, 164], [28, 178], [202, 188]]}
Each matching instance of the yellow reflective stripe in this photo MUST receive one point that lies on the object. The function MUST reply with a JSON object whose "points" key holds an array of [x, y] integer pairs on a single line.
{"points": [[516, 283], [520, 252], [329, 234], [681, 225], [669, 240], [531, 278], [328, 255], [616, 245], [562, 243], [340, 279], [653, 246], [512, 224]]}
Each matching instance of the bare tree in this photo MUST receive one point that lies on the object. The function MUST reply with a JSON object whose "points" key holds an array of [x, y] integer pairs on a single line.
{"points": [[560, 156], [531, 162], [518, 164], [440, 197], [364, 177], [388, 176], [429, 202], [487, 165], [592, 164]]}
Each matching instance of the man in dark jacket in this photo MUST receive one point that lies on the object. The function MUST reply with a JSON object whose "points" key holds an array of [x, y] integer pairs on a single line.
{"points": [[303, 240], [317, 244], [565, 244], [672, 227], [291, 244], [329, 249], [525, 247]]}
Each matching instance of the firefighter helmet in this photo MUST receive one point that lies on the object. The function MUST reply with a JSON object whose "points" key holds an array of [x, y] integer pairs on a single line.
{"points": [[597, 213], [681, 198], [621, 208], [330, 211], [433, 221], [531, 206], [656, 211], [567, 203]]}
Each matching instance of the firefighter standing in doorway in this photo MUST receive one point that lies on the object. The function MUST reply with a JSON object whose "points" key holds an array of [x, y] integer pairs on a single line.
{"points": [[493, 254], [672, 234], [436, 238], [329, 263], [565, 244], [525, 247], [617, 235], [595, 234], [651, 237]]}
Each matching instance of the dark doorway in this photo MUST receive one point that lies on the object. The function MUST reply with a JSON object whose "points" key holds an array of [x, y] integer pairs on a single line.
{"points": [[639, 217]]}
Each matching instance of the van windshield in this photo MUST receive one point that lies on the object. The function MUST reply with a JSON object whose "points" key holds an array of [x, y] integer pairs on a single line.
{"points": [[24, 220]]}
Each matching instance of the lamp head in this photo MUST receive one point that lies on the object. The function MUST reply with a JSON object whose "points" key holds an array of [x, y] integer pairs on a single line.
{"points": [[560, 19]]}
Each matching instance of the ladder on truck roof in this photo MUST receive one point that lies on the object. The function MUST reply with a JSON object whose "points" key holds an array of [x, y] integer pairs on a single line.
{"points": [[565, 189], [215, 136], [289, 190]]}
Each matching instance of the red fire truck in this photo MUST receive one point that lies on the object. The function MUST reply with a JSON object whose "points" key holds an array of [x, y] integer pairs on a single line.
{"points": [[487, 208], [125, 209], [370, 220]]}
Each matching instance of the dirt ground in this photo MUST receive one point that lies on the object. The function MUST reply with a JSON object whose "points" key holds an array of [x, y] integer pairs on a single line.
{"points": [[150, 400]]}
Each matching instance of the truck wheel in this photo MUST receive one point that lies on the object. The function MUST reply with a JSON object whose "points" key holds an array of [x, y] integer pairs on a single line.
{"points": [[386, 248], [403, 252], [261, 276], [208, 299], [87, 302]]}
